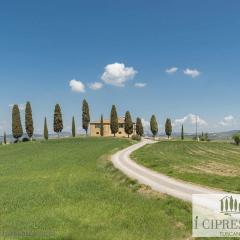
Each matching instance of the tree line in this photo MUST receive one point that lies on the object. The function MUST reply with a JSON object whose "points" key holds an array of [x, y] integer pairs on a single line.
{"points": [[128, 124], [17, 129]]}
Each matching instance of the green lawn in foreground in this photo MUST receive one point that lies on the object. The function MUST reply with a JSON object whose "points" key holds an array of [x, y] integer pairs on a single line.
{"points": [[214, 164], [67, 189]]}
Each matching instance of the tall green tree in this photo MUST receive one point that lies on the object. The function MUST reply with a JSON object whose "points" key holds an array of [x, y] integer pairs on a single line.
{"points": [[168, 127], [114, 120], [5, 138], [235, 205], [73, 127], [226, 204], [182, 133], [139, 127], [17, 130], [45, 133], [101, 126], [231, 203], [85, 115], [128, 124], [154, 125], [58, 121], [29, 120], [222, 204]]}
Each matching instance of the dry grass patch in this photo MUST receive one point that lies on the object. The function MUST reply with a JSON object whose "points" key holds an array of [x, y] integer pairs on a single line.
{"points": [[217, 168]]}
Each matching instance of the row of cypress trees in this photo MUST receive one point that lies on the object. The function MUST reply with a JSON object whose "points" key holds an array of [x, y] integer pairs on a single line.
{"points": [[17, 129], [128, 126], [168, 127], [58, 120], [154, 126], [128, 123]]}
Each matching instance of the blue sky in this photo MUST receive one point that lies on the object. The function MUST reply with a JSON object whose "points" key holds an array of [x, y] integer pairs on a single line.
{"points": [[127, 46]]}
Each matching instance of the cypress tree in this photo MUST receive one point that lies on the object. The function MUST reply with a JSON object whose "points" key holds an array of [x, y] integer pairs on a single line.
{"points": [[139, 127], [235, 205], [221, 205], [231, 203], [101, 126], [58, 122], [168, 127], [154, 125], [17, 130], [45, 129], [5, 138], [73, 127], [226, 204], [182, 133], [114, 120], [28, 120], [85, 115], [128, 126]]}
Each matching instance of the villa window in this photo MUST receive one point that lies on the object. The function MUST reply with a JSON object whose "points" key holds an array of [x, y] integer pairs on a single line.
{"points": [[121, 125], [97, 125]]}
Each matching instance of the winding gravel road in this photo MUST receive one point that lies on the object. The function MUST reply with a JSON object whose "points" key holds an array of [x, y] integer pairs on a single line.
{"points": [[155, 180]]}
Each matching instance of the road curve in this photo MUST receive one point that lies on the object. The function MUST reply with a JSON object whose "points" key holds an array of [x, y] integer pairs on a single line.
{"points": [[155, 180]]}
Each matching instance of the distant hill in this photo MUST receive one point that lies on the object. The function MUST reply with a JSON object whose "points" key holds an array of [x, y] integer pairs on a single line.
{"points": [[38, 136], [223, 135], [212, 136]]}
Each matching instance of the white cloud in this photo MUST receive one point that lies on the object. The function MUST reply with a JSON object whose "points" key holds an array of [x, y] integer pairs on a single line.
{"points": [[146, 125], [228, 121], [191, 72], [77, 86], [140, 85], [117, 74], [96, 85], [171, 70], [190, 119], [229, 118]]}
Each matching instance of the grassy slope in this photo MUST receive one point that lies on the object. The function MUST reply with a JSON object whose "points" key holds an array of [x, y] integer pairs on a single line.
{"points": [[213, 164], [65, 190]]}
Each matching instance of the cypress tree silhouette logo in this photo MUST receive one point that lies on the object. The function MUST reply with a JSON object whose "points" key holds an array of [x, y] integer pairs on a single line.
{"points": [[229, 206]]}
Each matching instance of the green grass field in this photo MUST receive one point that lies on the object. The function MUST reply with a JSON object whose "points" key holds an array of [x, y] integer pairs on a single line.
{"points": [[214, 164], [68, 189]]}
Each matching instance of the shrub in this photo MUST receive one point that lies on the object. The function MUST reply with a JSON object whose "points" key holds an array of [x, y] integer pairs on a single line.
{"points": [[136, 137], [25, 139], [204, 137], [236, 138]]}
